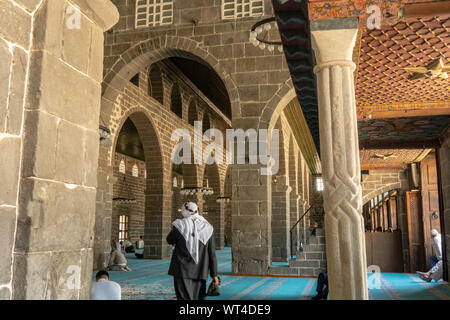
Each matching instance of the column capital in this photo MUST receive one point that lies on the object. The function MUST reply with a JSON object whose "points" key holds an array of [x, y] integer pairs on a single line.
{"points": [[333, 40]]}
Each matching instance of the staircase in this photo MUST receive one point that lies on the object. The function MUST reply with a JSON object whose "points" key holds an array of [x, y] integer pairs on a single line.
{"points": [[310, 262]]}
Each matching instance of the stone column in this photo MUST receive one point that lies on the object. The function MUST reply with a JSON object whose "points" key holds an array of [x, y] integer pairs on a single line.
{"points": [[333, 41], [103, 215], [280, 221], [443, 161], [158, 208], [251, 220], [294, 210], [61, 67], [217, 218]]}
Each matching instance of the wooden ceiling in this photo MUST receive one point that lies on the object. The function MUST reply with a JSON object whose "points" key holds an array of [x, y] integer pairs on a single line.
{"points": [[394, 113], [382, 84]]}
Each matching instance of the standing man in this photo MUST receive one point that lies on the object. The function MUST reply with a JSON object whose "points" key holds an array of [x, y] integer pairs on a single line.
{"points": [[194, 254]]}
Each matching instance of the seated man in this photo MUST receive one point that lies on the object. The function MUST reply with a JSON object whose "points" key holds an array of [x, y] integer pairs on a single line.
{"points": [[117, 261], [435, 272], [437, 248], [128, 247], [104, 289], [140, 243], [322, 293]]}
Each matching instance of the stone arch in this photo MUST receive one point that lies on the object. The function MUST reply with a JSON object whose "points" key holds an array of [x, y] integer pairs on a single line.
{"points": [[176, 103], [366, 196], [154, 160], [155, 83], [192, 112], [145, 53], [273, 109]]}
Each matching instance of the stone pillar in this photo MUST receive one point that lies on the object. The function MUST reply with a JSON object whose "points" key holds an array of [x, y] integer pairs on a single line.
{"points": [[333, 41], [158, 207], [280, 221], [216, 217], [103, 215], [443, 160], [302, 225], [294, 210], [55, 198], [251, 220]]}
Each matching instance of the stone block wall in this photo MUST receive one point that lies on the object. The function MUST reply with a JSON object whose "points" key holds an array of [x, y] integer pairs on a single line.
{"points": [[444, 170], [128, 185], [49, 134], [16, 26], [161, 122], [381, 181]]}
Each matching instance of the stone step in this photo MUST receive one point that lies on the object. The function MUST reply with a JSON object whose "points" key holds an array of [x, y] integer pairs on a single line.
{"points": [[314, 248], [304, 264], [320, 232], [316, 240]]}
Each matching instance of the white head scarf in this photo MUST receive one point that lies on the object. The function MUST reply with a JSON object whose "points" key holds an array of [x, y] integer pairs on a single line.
{"points": [[194, 228]]}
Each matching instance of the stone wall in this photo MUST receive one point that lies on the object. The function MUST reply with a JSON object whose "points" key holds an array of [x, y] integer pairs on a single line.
{"points": [[381, 181], [444, 170], [155, 122], [257, 82], [128, 185], [50, 105]]}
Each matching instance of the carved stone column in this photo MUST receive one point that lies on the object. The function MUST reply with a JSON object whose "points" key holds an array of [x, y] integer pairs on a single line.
{"points": [[333, 41]]}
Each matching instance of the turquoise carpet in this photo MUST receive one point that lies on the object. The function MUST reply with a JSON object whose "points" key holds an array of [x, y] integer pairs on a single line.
{"points": [[149, 280]]}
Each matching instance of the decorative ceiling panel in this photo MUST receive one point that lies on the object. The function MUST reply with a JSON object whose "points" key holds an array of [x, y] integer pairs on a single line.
{"points": [[404, 129], [390, 156], [381, 83]]}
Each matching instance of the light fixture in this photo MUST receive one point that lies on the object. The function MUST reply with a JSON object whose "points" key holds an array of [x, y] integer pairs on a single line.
{"points": [[123, 200], [257, 29], [190, 191], [223, 199]]}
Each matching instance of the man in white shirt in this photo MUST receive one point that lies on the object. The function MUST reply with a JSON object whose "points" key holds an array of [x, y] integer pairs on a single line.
{"points": [[436, 272], [140, 243], [104, 289], [437, 248]]}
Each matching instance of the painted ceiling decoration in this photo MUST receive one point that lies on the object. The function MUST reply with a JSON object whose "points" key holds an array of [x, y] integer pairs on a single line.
{"points": [[382, 79], [393, 110], [399, 158], [293, 25], [433, 70], [410, 130], [297, 122]]}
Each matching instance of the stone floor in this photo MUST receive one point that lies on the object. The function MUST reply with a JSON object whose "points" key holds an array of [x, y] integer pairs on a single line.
{"points": [[149, 280]]}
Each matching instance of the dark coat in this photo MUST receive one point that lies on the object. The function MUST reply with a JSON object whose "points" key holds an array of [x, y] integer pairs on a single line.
{"points": [[182, 265]]}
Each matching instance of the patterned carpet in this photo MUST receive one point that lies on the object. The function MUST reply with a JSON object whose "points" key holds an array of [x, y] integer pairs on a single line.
{"points": [[149, 280]]}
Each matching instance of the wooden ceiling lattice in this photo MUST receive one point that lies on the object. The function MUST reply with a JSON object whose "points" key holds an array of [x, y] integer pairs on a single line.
{"points": [[381, 80]]}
